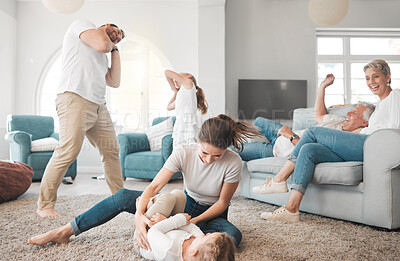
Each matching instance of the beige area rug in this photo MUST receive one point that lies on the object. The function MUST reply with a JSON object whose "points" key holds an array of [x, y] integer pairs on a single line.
{"points": [[315, 238]]}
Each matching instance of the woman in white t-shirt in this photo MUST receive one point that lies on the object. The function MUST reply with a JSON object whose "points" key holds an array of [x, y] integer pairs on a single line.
{"points": [[187, 99], [211, 175], [326, 145]]}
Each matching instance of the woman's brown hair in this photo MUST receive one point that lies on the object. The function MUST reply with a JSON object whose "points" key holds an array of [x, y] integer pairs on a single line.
{"points": [[222, 131], [202, 104]]}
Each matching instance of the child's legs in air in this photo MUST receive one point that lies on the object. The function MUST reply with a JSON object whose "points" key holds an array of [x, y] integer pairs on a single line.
{"points": [[166, 203], [180, 201]]}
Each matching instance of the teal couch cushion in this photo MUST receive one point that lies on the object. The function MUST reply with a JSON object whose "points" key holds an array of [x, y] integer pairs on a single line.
{"points": [[144, 160], [39, 159]]}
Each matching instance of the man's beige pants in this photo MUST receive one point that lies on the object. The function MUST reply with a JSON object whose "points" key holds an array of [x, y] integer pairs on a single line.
{"points": [[78, 118]]}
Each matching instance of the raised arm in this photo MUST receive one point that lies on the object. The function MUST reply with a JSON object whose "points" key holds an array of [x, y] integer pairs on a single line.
{"points": [[171, 104], [141, 221], [113, 76], [227, 191], [320, 108], [178, 78], [101, 42], [97, 39]]}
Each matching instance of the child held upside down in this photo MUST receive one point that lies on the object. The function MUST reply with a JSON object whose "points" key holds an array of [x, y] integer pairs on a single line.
{"points": [[173, 238]]}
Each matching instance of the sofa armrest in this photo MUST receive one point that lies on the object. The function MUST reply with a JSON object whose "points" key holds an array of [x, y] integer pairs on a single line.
{"points": [[130, 143], [20, 145], [55, 135], [167, 146], [381, 177]]}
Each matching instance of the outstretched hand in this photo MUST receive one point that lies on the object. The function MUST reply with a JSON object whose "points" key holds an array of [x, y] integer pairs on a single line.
{"points": [[141, 222], [188, 217], [157, 217], [330, 78]]}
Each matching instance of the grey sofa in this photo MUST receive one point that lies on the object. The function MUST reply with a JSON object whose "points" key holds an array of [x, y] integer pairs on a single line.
{"points": [[364, 192]]}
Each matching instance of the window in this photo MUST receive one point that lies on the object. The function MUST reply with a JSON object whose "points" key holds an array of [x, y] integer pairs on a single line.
{"points": [[47, 91], [345, 52], [143, 94]]}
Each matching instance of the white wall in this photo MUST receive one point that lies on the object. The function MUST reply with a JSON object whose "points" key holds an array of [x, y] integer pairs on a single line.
{"points": [[275, 39], [7, 68], [172, 26], [264, 39], [9, 7], [211, 44]]}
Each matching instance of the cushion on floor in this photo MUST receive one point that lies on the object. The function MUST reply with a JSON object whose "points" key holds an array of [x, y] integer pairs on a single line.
{"points": [[15, 179]]}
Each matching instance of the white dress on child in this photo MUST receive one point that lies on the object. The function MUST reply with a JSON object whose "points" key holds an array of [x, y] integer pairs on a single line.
{"points": [[186, 125]]}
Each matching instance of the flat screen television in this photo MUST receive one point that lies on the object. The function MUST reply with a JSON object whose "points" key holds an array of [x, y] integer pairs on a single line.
{"points": [[271, 99]]}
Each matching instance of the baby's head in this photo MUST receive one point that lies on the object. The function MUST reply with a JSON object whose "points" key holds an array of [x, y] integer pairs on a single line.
{"points": [[215, 247]]}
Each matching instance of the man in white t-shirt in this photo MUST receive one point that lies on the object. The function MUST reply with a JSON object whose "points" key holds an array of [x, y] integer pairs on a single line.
{"points": [[81, 109], [282, 139]]}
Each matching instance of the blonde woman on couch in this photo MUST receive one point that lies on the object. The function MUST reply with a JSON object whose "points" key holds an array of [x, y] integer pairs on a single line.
{"points": [[326, 145]]}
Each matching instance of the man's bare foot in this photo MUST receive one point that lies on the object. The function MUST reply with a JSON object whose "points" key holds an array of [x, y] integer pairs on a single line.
{"points": [[47, 213], [59, 236]]}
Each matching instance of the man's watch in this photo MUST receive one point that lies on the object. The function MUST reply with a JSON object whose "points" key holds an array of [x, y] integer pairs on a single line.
{"points": [[115, 49], [294, 136]]}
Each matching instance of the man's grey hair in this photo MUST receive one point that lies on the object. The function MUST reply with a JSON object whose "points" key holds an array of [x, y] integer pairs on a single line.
{"points": [[369, 109]]}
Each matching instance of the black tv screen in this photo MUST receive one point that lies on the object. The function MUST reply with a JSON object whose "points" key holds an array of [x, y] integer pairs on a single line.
{"points": [[271, 99]]}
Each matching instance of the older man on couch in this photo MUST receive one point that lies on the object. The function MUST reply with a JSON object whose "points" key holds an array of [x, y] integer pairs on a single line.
{"points": [[281, 139]]}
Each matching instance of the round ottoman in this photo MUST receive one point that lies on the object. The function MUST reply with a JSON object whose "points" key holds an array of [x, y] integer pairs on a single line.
{"points": [[15, 179]]}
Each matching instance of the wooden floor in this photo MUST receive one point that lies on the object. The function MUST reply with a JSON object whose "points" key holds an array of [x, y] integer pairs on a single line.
{"points": [[85, 184]]}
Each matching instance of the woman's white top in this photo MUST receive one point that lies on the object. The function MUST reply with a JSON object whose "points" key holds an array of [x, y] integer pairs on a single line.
{"points": [[386, 114], [203, 182], [166, 238], [186, 125]]}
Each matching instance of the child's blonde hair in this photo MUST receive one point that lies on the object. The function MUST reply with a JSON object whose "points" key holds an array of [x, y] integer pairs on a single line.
{"points": [[221, 248]]}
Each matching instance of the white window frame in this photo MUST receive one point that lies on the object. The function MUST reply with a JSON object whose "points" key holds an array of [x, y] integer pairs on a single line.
{"points": [[346, 58]]}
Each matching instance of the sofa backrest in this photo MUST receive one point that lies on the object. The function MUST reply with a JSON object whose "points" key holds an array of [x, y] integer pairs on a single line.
{"points": [[38, 126], [303, 118], [161, 119]]}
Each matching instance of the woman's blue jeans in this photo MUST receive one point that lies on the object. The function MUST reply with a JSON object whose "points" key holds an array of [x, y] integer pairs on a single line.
{"points": [[323, 145], [218, 224], [257, 150], [104, 211], [125, 200]]}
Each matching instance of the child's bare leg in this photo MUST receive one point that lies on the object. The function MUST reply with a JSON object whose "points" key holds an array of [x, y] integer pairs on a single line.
{"points": [[59, 235]]}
